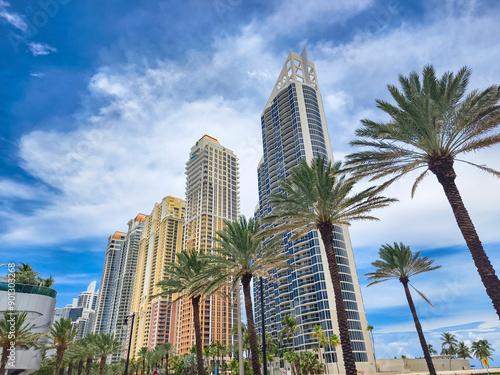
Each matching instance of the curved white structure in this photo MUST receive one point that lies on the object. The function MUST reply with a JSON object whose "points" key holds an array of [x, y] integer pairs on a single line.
{"points": [[39, 304]]}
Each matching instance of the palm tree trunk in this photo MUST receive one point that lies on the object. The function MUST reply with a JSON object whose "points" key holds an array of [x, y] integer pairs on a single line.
{"points": [[197, 334], [80, 367], [61, 370], [70, 368], [326, 231], [143, 365], [421, 337], [374, 355], [166, 366], [254, 348], [5, 357], [89, 365], [102, 365], [59, 358], [446, 176]]}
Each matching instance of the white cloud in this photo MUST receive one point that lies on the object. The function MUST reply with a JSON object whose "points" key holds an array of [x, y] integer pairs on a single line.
{"points": [[40, 49], [13, 189], [13, 18]]}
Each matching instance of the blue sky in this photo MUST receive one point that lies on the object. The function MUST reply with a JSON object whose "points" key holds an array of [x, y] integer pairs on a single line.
{"points": [[101, 102]]}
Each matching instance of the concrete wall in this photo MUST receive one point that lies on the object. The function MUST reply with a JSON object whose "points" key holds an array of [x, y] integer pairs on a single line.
{"points": [[419, 364], [40, 311]]}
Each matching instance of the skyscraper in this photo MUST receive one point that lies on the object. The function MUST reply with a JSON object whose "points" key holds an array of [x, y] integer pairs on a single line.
{"points": [[122, 298], [293, 129], [160, 241], [103, 318], [212, 197]]}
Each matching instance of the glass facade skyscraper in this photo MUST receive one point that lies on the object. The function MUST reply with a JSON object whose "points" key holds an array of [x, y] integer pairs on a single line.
{"points": [[293, 129]]}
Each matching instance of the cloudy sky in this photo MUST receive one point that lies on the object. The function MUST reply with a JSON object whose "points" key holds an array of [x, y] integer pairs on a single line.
{"points": [[101, 102]]}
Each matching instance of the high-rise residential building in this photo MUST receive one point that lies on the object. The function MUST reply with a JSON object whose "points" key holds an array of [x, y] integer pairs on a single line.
{"points": [[89, 298], [88, 302], [293, 129], [160, 241], [109, 279], [212, 197], [123, 293]]}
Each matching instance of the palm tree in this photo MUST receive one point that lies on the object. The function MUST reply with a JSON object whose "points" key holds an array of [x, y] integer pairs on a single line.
{"points": [[26, 275], [239, 255], [319, 335], [88, 350], [463, 351], [450, 340], [482, 349], [142, 353], [431, 349], [63, 333], [334, 341], [431, 125], [317, 197], [185, 278], [166, 351], [369, 328], [289, 329], [15, 329], [105, 345], [399, 262]]}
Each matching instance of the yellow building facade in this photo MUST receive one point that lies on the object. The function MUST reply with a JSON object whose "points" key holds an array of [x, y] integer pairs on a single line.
{"points": [[161, 240], [211, 198]]}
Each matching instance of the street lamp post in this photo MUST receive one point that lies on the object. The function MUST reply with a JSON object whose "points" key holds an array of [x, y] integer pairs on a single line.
{"points": [[129, 343]]}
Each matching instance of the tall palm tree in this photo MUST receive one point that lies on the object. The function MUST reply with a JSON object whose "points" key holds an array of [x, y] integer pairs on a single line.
{"points": [[399, 262], [185, 278], [63, 333], [105, 345], [239, 255], [431, 125], [318, 197], [88, 351], [15, 329], [482, 349], [289, 329], [334, 341], [142, 353], [463, 351], [369, 328], [319, 335], [449, 340]]}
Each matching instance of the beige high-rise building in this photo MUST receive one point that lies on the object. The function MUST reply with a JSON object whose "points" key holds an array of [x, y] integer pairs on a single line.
{"points": [[212, 197], [161, 240]]}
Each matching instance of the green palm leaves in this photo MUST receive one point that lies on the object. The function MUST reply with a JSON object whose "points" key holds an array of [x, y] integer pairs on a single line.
{"points": [[432, 121], [398, 261], [320, 194], [239, 252]]}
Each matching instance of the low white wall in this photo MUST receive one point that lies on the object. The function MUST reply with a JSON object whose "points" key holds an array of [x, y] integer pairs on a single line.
{"points": [[419, 364]]}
